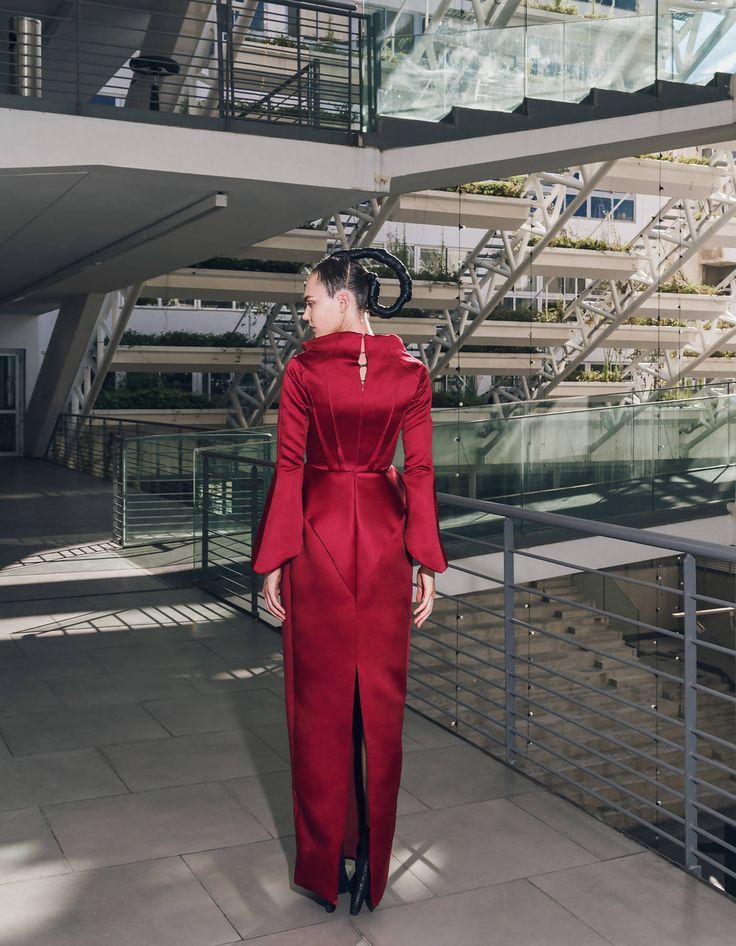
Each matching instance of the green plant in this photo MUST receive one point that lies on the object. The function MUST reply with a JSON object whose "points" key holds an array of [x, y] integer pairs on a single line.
{"points": [[188, 339], [566, 239], [676, 158], [151, 398], [250, 265], [557, 6], [679, 283], [505, 187]]}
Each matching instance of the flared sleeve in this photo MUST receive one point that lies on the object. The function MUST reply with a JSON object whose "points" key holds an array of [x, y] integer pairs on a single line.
{"points": [[280, 533], [422, 530]]}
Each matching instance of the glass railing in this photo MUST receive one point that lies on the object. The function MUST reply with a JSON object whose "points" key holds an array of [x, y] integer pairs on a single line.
{"points": [[157, 490], [641, 463], [425, 75]]}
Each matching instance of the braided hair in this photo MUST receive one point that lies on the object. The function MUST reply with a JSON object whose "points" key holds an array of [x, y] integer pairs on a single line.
{"points": [[340, 270]]}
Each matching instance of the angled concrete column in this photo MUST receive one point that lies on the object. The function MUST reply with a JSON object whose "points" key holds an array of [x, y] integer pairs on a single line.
{"points": [[69, 342]]}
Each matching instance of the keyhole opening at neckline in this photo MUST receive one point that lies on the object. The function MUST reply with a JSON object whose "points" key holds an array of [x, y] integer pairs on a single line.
{"points": [[362, 361]]}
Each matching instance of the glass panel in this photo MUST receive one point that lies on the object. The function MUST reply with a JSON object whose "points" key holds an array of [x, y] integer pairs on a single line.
{"points": [[8, 427], [8, 371], [423, 76]]}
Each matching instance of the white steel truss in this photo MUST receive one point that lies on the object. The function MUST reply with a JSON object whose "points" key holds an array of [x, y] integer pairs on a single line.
{"points": [[112, 321], [680, 228], [501, 257]]}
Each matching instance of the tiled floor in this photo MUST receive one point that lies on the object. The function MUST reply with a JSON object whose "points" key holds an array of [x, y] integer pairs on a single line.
{"points": [[145, 788]]}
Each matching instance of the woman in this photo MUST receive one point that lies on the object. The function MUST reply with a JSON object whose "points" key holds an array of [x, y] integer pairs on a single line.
{"points": [[335, 544]]}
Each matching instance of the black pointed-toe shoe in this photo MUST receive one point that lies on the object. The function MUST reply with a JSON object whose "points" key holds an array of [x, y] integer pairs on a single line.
{"points": [[360, 883]]}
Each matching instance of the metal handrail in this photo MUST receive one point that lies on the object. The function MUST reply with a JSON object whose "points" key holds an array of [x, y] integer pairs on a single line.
{"points": [[638, 755], [59, 59]]}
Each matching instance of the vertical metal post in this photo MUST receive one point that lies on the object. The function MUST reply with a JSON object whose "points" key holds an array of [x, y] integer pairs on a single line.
{"points": [[359, 24], [105, 449], [223, 30], [89, 447], [315, 118], [253, 520], [230, 61], [78, 30], [124, 490], [349, 123], [509, 631], [299, 90], [205, 512], [690, 699]]}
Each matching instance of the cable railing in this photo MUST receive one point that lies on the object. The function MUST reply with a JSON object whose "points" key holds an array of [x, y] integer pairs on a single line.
{"points": [[89, 443], [213, 65], [612, 685]]}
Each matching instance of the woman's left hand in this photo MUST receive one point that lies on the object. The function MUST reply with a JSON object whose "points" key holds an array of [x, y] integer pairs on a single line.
{"points": [[425, 595], [272, 594]]}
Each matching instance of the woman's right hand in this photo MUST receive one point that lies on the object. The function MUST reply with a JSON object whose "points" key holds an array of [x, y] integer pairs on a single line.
{"points": [[425, 595], [272, 594]]}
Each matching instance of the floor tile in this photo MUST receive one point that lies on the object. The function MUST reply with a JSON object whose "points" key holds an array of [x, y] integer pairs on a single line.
{"points": [[432, 776], [108, 688], [253, 884], [47, 667], [74, 729], [334, 933], [256, 677], [31, 696], [510, 914], [183, 760], [267, 797], [27, 847], [145, 825], [429, 735], [197, 714], [650, 901], [56, 776], [154, 656], [580, 827], [452, 849], [155, 902]]}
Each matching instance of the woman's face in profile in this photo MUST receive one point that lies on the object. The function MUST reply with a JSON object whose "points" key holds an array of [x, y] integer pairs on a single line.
{"points": [[325, 315]]}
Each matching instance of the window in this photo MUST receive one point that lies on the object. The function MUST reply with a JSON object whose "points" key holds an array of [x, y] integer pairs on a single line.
{"points": [[582, 210], [600, 206], [623, 209]]}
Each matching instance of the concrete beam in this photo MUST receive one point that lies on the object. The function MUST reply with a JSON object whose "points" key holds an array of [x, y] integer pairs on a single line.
{"points": [[68, 345]]}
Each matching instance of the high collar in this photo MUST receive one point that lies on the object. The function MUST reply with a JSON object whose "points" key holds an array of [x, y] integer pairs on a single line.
{"points": [[340, 337]]}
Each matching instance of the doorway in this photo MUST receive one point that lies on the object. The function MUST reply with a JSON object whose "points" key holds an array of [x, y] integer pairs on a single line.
{"points": [[11, 403]]}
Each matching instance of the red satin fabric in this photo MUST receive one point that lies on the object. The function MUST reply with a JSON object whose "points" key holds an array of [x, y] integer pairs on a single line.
{"points": [[344, 526]]}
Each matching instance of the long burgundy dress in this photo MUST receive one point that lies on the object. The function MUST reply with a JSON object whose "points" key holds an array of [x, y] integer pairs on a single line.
{"points": [[344, 526]]}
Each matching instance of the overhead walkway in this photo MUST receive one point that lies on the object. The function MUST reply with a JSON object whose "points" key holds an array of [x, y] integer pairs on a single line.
{"points": [[173, 192]]}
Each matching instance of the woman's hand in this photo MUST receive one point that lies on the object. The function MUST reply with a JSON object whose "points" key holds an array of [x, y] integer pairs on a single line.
{"points": [[272, 594], [425, 595]]}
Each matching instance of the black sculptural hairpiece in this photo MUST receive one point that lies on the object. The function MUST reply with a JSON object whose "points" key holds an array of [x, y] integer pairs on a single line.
{"points": [[382, 256]]}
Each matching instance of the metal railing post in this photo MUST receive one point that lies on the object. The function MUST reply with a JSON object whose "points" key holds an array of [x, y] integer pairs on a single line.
{"points": [[690, 699], [253, 519], [299, 90], [124, 490], [205, 512], [78, 43], [509, 632]]}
